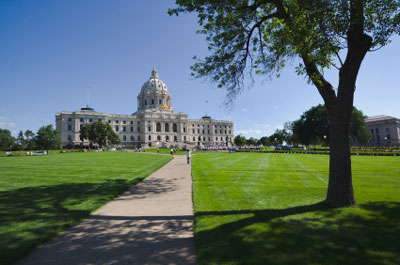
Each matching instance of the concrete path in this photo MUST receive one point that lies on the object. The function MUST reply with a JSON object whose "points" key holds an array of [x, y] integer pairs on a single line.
{"points": [[150, 224]]}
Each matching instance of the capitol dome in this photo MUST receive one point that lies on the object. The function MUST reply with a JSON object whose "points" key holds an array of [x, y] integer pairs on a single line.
{"points": [[154, 84]]}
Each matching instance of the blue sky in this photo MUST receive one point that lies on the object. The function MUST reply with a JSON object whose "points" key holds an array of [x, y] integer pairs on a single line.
{"points": [[51, 51]]}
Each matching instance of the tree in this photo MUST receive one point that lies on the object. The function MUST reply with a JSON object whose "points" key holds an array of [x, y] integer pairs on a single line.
{"points": [[99, 133], [47, 138], [277, 137], [6, 140], [251, 141], [239, 140], [21, 141], [265, 141], [313, 128], [29, 138], [261, 35]]}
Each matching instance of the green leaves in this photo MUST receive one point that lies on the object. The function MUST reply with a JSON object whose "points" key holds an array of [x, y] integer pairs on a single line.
{"points": [[261, 35], [99, 133]]}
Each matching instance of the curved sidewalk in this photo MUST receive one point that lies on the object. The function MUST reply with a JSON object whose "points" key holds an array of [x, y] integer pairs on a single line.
{"points": [[150, 224]]}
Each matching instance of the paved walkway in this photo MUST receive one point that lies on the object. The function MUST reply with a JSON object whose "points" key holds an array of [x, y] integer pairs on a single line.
{"points": [[150, 224]]}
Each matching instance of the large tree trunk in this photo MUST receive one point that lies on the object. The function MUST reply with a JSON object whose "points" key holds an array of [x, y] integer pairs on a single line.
{"points": [[340, 187]]}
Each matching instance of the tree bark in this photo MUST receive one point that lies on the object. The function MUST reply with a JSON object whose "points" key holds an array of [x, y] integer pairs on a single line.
{"points": [[340, 187]]}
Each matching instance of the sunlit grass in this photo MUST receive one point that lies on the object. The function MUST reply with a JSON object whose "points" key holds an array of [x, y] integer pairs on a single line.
{"points": [[269, 209], [40, 196]]}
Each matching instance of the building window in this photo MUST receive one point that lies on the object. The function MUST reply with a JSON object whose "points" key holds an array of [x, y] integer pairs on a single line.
{"points": [[81, 120], [167, 127], [69, 137], [152, 102], [204, 138], [194, 138], [145, 102], [216, 138], [69, 127], [216, 131], [159, 138], [220, 131], [175, 138], [109, 121], [192, 130], [198, 131], [131, 128], [225, 131], [132, 138], [159, 102], [81, 127], [124, 129], [149, 129], [117, 121], [124, 138], [131, 122], [184, 138], [199, 138], [138, 129], [116, 128], [158, 127], [198, 125], [167, 138], [229, 131], [184, 130], [138, 138], [138, 122], [208, 131], [149, 137], [69, 119], [203, 131], [209, 139], [90, 120], [174, 127]]}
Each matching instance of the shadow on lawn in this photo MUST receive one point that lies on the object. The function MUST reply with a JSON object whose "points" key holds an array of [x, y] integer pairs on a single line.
{"points": [[31, 216], [323, 235]]}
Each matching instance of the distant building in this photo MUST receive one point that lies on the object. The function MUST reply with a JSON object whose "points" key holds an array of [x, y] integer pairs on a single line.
{"points": [[385, 130], [154, 124]]}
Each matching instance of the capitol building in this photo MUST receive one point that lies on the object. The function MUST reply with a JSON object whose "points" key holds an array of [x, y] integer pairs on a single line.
{"points": [[154, 124]]}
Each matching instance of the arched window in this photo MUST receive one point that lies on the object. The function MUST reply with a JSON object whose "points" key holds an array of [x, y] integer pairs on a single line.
{"points": [[158, 127], [199, 138], [174, 127], [167, 127]]}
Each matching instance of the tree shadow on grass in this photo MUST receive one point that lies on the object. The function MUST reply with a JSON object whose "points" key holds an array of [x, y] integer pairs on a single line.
{"points": [[311, 234], [31, 216]]}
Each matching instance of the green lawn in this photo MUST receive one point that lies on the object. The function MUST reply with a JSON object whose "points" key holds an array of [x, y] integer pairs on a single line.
{"points": [[268, 209], [40, 196], [165, 151]]}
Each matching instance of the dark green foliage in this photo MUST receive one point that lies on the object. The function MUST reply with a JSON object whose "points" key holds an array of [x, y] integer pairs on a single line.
{"points": [[239, 140], [100, 133], [6, 140], [47, 138], [313, 125]]}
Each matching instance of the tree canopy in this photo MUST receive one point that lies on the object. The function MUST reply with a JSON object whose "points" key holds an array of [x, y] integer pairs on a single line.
{"points": [[6, 140], [99, 133], [239, 140], [313, 127], [260, 36], [47, 138]]}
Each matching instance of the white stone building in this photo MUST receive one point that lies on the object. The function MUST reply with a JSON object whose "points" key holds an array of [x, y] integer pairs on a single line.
{"points": [[385, 130], [154, 124]]}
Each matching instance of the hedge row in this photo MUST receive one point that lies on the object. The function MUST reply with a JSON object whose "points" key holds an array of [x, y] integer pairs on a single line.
{"points": [[319, 152]]}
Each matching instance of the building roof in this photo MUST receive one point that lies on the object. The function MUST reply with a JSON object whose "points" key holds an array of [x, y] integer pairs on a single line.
{"points": [[154, 83], [379, 118]]}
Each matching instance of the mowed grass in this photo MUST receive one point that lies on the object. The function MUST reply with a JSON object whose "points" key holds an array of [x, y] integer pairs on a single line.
{"points": [[40, 196], [269, 209]]}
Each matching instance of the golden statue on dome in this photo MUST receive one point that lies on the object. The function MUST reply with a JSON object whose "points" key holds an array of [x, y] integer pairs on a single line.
{"points": [[164, 107]]}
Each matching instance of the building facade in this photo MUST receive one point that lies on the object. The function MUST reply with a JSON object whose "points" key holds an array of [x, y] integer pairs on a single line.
{"points": [[385, 130], [154, 124]]}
